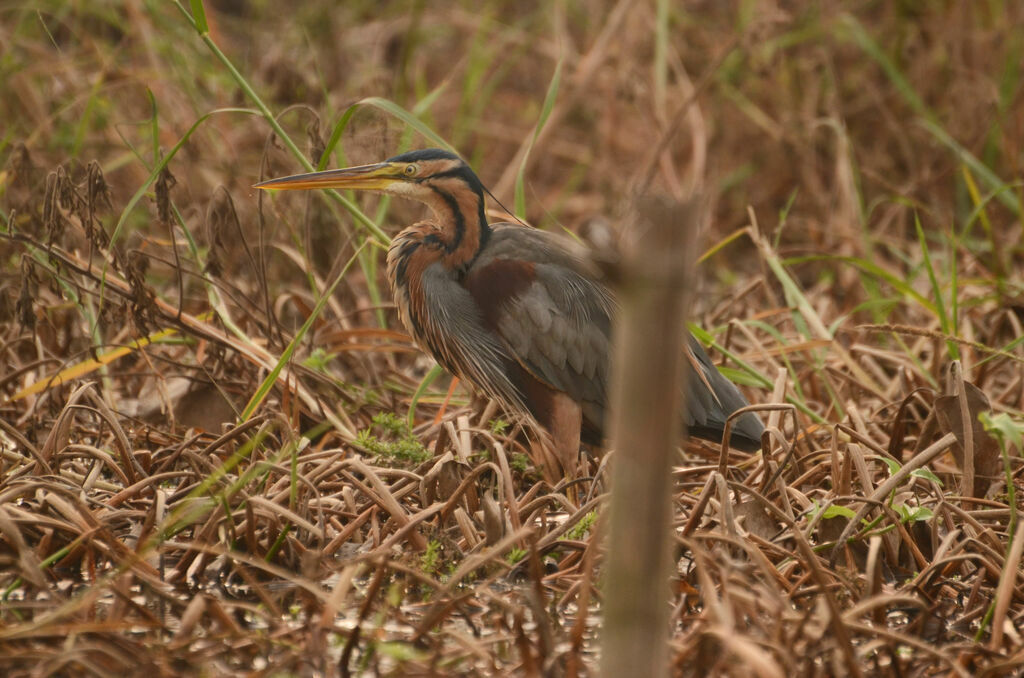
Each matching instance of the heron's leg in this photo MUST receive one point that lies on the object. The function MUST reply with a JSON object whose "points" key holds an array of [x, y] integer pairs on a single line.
{"points": [[556, 452], [566, 419]]}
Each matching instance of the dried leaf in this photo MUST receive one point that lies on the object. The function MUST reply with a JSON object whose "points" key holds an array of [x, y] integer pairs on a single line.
{"points": [[987, 462]]}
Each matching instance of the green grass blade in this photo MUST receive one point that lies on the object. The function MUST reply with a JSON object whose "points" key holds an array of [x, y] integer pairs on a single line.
{"points": [[392, 109], [901, 285], [271, 120], [286, 355], [154, 123], [431, 376], [545, 112], [855, 30], [162, 163], [806, 318], [947, 325], [990, 178], [199, 16]]}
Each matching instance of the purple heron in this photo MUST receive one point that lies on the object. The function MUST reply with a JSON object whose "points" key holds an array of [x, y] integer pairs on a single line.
{"points": [[517, 312]]}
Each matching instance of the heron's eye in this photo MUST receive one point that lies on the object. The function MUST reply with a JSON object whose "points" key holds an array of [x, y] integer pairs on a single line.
{"points": [[410, 170]]}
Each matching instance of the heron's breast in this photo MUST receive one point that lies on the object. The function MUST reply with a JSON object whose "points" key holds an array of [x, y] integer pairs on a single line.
{"points": [[408, 259]]}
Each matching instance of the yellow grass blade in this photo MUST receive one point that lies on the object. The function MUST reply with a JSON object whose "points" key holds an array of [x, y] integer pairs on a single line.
{"points": [[85, 367]]}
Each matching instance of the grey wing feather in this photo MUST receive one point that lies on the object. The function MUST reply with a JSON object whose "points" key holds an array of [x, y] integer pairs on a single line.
{"points": [[559, 328], [557, 343], [456, 319], [707, 409]]}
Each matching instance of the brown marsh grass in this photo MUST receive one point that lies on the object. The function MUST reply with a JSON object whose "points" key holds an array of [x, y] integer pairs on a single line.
{"points": [[220, 452]]}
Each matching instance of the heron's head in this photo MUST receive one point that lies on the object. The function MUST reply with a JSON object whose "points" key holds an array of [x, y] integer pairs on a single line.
{"points": [[423, 175]]}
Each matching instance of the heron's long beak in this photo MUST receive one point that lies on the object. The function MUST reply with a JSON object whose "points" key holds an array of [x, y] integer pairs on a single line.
{"points": [[376, 177]]}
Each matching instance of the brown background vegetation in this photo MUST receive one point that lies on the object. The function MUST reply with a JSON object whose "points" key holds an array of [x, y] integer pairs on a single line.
{"points": [[876, 145]]}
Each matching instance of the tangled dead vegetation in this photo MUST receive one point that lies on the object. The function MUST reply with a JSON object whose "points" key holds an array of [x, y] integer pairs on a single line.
{"points": [[219, 454], [277, 542]]}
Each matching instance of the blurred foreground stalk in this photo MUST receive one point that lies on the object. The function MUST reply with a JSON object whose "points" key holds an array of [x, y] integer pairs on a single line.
{"points": [[653, 283]]}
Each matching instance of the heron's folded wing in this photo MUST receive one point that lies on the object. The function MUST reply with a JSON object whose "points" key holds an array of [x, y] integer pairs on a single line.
{"points": [[553, 317]]}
